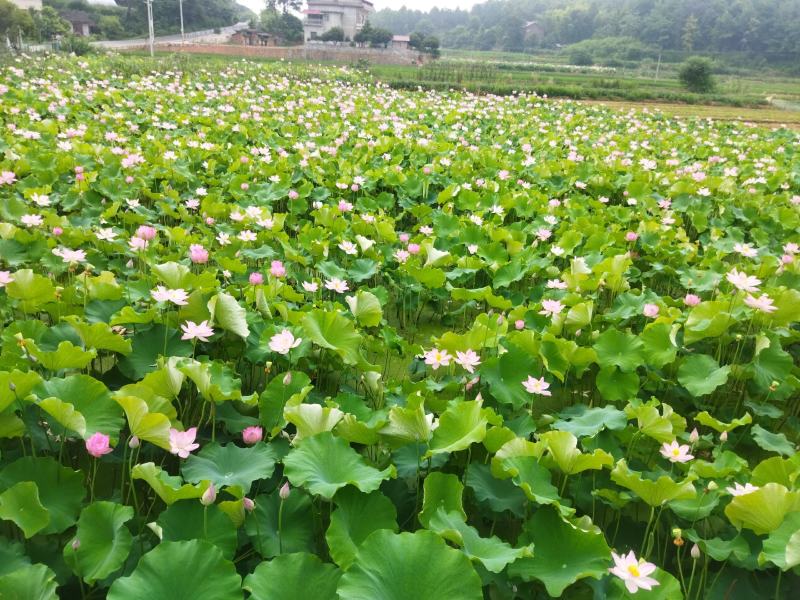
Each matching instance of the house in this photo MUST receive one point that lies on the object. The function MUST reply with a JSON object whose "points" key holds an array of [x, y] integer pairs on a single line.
{"points": [[252, 37], [26, 4], [82, 22], [400, 42], [532, 31], [322, 15]]}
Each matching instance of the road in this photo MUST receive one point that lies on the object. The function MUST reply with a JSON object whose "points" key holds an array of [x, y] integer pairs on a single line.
{"points": [[207, 35]]}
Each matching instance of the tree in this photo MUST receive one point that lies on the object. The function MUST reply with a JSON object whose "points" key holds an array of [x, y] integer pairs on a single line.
{"points": [[14, 21], [49, 23], [284, 5], [364, 36], [282, 25], [380, 37], [695, 75], [334, 34], [689, 33]]}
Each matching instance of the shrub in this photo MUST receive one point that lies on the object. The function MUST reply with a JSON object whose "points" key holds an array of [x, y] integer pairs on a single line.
{"points": [[695, 75]]}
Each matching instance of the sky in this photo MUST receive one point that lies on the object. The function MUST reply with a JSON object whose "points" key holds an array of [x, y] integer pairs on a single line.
{"points": [[258, 5]]}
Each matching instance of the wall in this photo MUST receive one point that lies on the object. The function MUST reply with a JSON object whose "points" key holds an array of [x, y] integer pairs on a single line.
{"points": [[342, 54]]}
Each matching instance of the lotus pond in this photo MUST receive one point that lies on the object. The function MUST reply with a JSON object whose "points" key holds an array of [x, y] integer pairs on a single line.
{"points": [[270, 331]]}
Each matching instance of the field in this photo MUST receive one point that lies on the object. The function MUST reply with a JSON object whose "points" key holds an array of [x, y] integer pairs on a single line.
{"points": [[271, 330]]}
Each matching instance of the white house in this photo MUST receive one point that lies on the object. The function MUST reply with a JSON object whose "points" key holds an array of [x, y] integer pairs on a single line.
{"points": [[322, 15]]}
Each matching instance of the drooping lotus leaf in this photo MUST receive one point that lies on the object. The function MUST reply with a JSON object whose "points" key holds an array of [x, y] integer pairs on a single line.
{"points": [[416, 565], [563, 553], [311, 419], [782, 547], [653, 492], [366, 308], [196, 569], [60, 489], [582, 421], [776, 470], [772, 442], [763, 510], [461, 425], [20, 504], [230, 465], [282, 577], [562, 447], [33, 582], [169, 488], [356, 516], [704, 418], [228, 314], [148, 426], [499, 494], [102, 541], [324, 464], [441, 490], [335, 332], [99, 336]]}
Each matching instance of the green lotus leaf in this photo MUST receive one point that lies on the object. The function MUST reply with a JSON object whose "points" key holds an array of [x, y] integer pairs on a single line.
{"points": [[505, 374], [499, 494], [20, 504], [615, 348], [23, 382], [659, 346], [311, 419], [408, 424], [173, 275], [103, 541], [147, 346], [215, 380], [695, 509], [335, 332], [90, 398], [148, 426], [169, 488], [763, 510], [662, 427], [196, 568], [66, 356], [277, 395], [324, 464], [416, 565], [60, 489], [582, 421], [32, 290], [356, 516], [283, 576], [782, 547], [707, 319], [701, 374], [614, 384], [562, 447], [461, 425], [668, 588], [483, 294], [719, 549], [579, 315], [493, 553], [772, 442], [653, 492], [565, 552], [230, 465], [33, 582], [532, 478], [366, 308], [725, 464], [704, 418], [228, 314], [12, 556], [441, 490], [274, 530], [773, 364], [776, 470], [64, 414], [99, 336], [430, 277], [188, 520], [361, 269]]}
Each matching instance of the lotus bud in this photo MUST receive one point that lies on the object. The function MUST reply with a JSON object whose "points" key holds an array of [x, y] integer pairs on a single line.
{"points": [[284, 491], [695, 552], [712, 485], [248, 504], [76, 543], [774, 386], [287, 379], [723, 437], [11, 386], [479, 397], [134, 442], [694, 436], [209, 496]]}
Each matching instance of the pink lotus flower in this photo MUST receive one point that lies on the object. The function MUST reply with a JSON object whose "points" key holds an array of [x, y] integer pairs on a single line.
{"points": [[337, 285], [742, 490], [742, 281], [413, 248], [178, 297], [199, 331], [650, 310], [5, 278], [631, 236], [146, 232], [437, 358], [285, 491], [182, 442], [98, 445], [404, 238], [197, 254], [519, 324], [551, 308], [293, 195], [283, 342], [209, 496], [468, 360], [7, 178], [256, 278], [277, 269], [763, 303], [252, 435], [634, 573], [691, 300], [675, 452], [536, 386], [248, 504]]}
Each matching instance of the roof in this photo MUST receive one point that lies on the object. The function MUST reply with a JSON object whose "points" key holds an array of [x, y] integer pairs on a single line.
{"points": [[401, 38], [312, 12], [77, 16]]}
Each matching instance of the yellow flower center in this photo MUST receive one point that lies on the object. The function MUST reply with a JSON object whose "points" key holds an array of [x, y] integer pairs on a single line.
{"points": [[676, 452], [634, 570]]}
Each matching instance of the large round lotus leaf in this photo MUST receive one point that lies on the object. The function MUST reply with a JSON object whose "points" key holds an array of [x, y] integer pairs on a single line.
{"points": [[782, 547], [356, 516], [194, 570], [499, 494], [296, 524], [335, 332], [461, 425], [230, 465], [324, 464], [763, 510], [90, 398], [12, 556], [619, 349], [563, 553], [283, 576], [61, 489], [701, 374], [184, 521], [32, 582], [104, 541], [417, 565], [20, 504]]}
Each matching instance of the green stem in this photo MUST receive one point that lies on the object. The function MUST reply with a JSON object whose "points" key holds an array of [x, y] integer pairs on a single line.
{"points": [[280, 523]]}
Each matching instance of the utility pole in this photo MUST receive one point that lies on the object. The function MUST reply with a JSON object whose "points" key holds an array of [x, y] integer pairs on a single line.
{"points": [[151, 31], [180, 7]]}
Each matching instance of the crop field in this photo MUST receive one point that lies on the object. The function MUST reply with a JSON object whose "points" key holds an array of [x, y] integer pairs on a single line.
{"points": [[274, 331]]}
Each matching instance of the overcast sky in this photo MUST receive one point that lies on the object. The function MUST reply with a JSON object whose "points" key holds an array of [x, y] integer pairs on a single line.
{"points": [[258, 5]]}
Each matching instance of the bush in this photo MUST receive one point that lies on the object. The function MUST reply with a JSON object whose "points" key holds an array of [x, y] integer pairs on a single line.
{"points": [[334, 34], [77, 45], [695, 75], [582, 58]]}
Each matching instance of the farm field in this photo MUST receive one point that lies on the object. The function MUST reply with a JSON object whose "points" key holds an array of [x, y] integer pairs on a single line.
{"points": [[271, 328]]}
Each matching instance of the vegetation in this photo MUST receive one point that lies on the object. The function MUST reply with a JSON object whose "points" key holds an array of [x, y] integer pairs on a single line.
{"points": [[268, 328], [334, 34], [283, 25], [373, 36], [696, 75]]}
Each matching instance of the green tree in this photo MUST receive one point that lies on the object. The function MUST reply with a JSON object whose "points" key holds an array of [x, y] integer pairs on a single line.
{"points": [[14, 22], [334, 34], [695, 74], [49, 23], [282, 25], [111, 27], [380, 37], [284, 5], [689, 36]]}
